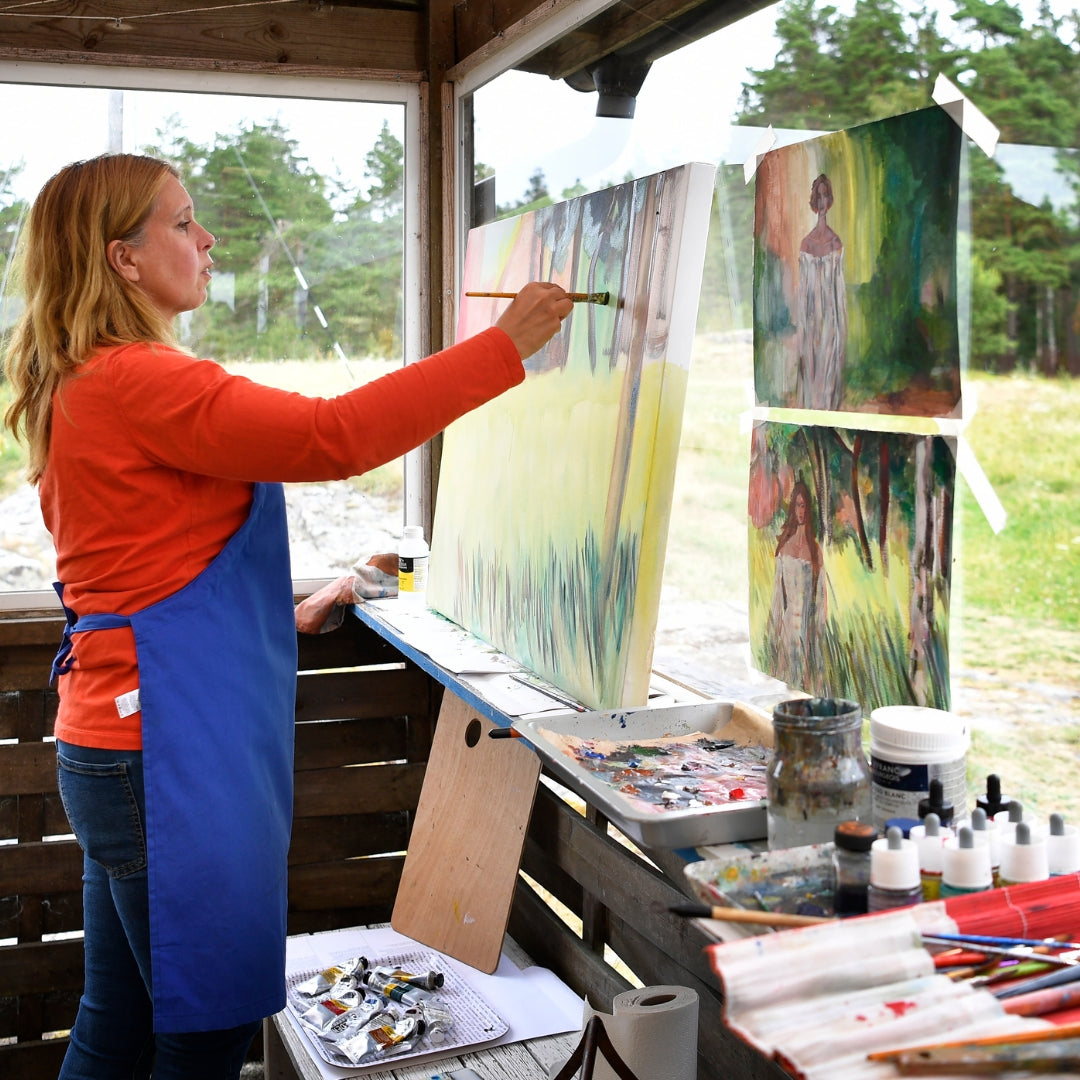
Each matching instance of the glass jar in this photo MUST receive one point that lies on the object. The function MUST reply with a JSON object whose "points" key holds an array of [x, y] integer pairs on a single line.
{"points": [[819, 775]]}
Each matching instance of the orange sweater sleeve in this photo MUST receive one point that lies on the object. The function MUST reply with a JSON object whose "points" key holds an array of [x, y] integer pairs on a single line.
{"points": [[191, 415]]}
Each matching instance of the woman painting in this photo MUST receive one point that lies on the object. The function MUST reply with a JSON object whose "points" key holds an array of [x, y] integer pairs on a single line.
{"points": [[797, 615], [822, 308]]}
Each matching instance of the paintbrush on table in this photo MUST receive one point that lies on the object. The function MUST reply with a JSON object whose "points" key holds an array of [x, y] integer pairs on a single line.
{"points": [[742, 915], [577, 297], [1047, 1056]]}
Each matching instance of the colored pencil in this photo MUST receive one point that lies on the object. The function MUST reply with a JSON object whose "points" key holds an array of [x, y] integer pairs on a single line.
{"points": [[742, 915], [577, 297]]}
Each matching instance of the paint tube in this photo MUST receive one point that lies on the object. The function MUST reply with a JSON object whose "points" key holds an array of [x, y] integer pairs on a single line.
{"points": [[438, 1020], [383, 981], [427, 980], [385, 1035], [326, 980], [326, 1011]]}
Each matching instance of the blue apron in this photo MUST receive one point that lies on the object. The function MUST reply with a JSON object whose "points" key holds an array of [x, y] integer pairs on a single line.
{"points": [[217, 687]]}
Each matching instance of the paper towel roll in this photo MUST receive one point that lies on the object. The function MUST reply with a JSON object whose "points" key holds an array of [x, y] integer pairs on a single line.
{"points": [[654, 1030]]}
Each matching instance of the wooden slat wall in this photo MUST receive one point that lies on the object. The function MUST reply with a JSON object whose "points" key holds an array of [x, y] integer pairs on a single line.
{"points": [[364, 723]]}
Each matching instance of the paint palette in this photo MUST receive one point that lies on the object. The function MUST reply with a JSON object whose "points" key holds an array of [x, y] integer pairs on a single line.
{"points": [[793, 881], [681, 775]]}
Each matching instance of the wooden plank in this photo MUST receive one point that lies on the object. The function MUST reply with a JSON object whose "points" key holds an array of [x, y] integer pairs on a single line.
{"points": [[465, 849], [59, 913], [19, 631], [27, 713], [284, 37], [370, 789], [352, 644], [347, 836], [359, 694], [26, 667], [344, 884], [32, 868], [328, 743], [54, 820], [40, 967], [32, 1060], [27, 768]]}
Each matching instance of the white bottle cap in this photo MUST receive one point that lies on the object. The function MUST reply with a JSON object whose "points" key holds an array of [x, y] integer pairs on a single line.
{"points": [[966, 864], [894, 862], [1063, 846], [1025, 858], [929, 838]]}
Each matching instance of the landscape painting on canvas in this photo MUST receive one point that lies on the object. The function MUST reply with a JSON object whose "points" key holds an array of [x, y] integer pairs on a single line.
{"points": [[553, 501], [855, 269], [850, 546]]}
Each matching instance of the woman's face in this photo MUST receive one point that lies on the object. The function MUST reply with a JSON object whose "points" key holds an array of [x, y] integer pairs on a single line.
{"points": [[800, 509], [172, 263], [820, 198]]}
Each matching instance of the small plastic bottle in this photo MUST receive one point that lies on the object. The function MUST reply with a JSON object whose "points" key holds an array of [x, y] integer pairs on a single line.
{"points": [[1025, 857], [894, 873], [930, 839], [1007, 820], [965, 866], [1062, 847], [413, 554], [935, 803], [986, 831], [993, 802], [851, 860]]}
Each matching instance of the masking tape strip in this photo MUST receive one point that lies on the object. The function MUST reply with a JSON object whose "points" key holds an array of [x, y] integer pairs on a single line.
{"points": [[971, 120], [767, 141]]}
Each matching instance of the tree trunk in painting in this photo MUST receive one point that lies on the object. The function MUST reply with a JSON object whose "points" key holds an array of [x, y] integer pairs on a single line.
{"points": [[922, 574], [856, 498], [883, 505]]}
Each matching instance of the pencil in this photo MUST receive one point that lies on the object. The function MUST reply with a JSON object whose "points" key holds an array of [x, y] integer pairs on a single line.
{"points": [[577, 297], [742, 915], [504, 733]]}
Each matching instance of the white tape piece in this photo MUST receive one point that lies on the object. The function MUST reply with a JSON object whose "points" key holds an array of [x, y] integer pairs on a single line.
{"points": [[971, 120], [767, 141], [969, 468]]}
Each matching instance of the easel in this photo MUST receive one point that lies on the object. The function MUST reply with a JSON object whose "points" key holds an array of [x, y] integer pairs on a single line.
{"points": [[595, 1039]]}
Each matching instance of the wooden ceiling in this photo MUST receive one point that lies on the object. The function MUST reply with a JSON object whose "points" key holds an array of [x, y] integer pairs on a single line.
{"points": [[416, 40]]}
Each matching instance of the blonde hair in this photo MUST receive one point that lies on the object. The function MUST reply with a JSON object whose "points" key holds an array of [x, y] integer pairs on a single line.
{"points": [[75, 301]]}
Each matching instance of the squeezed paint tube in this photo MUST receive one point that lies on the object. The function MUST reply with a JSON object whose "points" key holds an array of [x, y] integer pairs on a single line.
{"points": [[426, 980], [383, 981], [325, 980], [327, 1011], [385, 1035], [438, 1020]]}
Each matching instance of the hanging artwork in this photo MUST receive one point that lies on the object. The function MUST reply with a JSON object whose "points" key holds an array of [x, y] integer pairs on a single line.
{"points": [[850, 551], [855, 279], [553, 501]]}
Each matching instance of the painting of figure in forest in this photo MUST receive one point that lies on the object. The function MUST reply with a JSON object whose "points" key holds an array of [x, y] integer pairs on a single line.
{"points": [[850, 554], [553, 501], [855, 281]]}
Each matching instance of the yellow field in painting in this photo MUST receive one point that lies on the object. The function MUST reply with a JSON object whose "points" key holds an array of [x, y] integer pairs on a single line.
{"points": [[867, 607], [551, 521]]}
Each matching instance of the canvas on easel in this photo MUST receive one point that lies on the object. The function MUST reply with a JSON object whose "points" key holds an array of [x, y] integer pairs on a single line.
{"points": [[553, 502]]}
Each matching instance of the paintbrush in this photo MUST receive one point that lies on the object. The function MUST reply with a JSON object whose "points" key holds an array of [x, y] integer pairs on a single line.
{"points": [[1065, 1031], [1051, 1056], [1005, 942], [741, 915], [1021, 952], [1040, 982], [577, 297]]}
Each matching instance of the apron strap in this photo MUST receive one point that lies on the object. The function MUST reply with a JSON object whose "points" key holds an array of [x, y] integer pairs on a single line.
{"points": [[75, 624]]}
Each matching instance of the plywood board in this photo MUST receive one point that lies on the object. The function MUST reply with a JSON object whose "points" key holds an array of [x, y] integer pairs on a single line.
{"points": [[461, 868]]}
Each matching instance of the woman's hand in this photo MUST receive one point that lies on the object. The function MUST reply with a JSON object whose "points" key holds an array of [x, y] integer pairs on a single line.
{"points": [[535, 315]]}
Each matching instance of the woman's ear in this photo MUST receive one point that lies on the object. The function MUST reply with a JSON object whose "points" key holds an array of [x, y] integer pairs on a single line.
{"points": [[119, 253]]}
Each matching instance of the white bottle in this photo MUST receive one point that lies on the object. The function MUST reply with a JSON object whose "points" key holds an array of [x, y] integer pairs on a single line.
{"points": [[413, 554]]}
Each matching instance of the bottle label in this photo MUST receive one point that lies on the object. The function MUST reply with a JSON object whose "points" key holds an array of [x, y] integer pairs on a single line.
{"points": [[412, 573]]}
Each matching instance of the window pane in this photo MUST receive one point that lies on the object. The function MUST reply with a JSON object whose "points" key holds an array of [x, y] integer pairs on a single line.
{"points": [[306, 200], [804, 68]]}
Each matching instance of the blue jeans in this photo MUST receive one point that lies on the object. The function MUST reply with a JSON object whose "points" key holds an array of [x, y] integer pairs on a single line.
{"points": [[113, 1037]]}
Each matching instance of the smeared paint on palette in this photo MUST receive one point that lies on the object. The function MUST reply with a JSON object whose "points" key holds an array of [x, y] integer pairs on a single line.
{"points": [[673, 772]]}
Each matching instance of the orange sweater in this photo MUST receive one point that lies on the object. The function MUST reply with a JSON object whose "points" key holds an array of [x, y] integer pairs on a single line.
{"points": [[151, 463]]}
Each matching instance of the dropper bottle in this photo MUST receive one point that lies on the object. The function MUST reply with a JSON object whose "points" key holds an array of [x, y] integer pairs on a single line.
{"points": [[1063, 847], [935, 803], [1025, 857], [986, 831], [929, 838], [965, 865], [993, 802], [894, 872]]}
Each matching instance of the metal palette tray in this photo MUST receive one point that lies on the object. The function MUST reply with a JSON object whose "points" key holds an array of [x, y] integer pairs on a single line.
{"points": [[560, 739]]}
